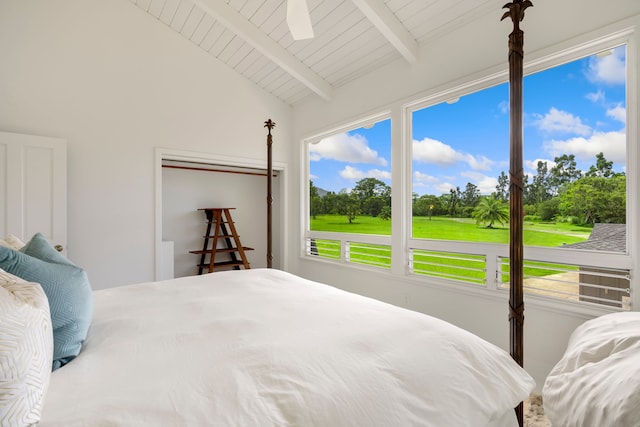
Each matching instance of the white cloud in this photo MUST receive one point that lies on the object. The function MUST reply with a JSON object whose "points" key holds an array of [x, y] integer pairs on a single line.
{"points": [[479, 163], [424, 178], [433, 151], [486, 184], [532, 165], [561, 121], [433, 184], [618, 113], [609, 69], [430, 182], [444, 187], [350, 172], [612, 144], [596, 97], [419, 185], [346, 148], [504, 107]]}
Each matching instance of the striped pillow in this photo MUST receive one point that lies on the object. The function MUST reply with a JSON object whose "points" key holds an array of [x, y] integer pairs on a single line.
{"points": [[26, 350]]}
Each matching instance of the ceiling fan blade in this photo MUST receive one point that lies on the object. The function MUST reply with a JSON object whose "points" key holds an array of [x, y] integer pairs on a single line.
{"points": [[299, 20]]}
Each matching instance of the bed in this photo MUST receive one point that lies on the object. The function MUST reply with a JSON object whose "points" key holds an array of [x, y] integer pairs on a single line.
{"points": [[263, 347], [258, 347]]}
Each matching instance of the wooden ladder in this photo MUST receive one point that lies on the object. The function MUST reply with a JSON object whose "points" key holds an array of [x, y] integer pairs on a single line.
{"points": [[218, 219]]}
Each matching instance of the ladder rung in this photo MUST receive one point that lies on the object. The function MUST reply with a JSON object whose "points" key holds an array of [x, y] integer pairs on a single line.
{"points": [[222, 263], [210, 251]]}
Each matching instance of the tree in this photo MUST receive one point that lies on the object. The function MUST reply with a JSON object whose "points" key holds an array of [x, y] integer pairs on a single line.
{"points": [[526, 194], [352, 209], [454, 200], [549, 209], [414, 197], [370, 187], [373, 205], [564, 172], [539, 188], [315, 201], [602, 168], [502, 189], [330, 203], [347, 204], [427, 205], [596, 199], [470, 195], [489, 210], [385, 213], [372, 194], [444, 200]]}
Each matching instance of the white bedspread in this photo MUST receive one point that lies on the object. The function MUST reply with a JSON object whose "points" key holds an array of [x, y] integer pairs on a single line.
{"points": [[265, 348], [597, 381]]}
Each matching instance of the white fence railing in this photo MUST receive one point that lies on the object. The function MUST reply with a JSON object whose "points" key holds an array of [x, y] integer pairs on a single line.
{"points": [[599, 278]]}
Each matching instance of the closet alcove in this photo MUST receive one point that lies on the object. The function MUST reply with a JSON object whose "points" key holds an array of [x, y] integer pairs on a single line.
{"points": [[186, 183]]}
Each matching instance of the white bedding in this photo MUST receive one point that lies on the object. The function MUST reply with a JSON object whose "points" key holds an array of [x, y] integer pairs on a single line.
{"points": [[597, 381], [265, 348]]}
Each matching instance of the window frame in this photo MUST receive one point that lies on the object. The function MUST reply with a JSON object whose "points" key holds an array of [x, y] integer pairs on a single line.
{"points": [[400, 114], [344, 238]]}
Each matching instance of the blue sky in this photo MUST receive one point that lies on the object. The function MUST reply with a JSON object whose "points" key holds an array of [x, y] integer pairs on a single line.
{"points": [[578, 108]]}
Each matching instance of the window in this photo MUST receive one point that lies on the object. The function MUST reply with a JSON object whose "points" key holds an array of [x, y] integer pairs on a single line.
{"points": [[575, 191], [459, 148], [350, 195], [576, 157], [574, 154]]}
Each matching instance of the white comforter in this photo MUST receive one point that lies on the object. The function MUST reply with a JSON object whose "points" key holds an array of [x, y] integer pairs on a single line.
{"points": [[265, 348], [597, 381]]}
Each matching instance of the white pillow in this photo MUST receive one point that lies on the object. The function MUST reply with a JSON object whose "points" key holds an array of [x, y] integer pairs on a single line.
{"points": [[26, 350], [12, 242], [596, 381]]}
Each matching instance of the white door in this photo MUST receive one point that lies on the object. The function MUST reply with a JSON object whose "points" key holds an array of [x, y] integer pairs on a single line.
{"points": [[33, 187]]}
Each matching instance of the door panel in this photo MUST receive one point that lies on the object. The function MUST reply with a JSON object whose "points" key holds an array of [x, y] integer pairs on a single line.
{"points": [[33, 187]]}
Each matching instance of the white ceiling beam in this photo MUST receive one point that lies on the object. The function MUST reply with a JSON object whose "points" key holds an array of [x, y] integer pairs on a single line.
{"points": [[243, 28], [390, 27]]}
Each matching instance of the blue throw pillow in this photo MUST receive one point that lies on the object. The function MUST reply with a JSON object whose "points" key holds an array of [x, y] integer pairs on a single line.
{"points": [[67, 288], [40, 248]]}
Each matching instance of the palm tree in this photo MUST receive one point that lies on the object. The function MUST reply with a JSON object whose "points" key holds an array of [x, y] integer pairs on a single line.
{"points": [[491, 209]]}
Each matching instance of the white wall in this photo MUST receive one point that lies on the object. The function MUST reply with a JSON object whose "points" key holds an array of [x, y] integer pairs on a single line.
{"points": [[115, 83], [473, 51]]}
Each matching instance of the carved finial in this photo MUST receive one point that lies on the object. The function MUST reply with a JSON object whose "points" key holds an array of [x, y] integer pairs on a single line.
{"points": [[516, 11], [270, 125]]}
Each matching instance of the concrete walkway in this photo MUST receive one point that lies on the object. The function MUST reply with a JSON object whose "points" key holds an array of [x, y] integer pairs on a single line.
{"points": [[561, 285]]}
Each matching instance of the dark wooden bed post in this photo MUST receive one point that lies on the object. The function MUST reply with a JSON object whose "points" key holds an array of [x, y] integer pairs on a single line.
{"points": [[269, 125], [516, 245]]}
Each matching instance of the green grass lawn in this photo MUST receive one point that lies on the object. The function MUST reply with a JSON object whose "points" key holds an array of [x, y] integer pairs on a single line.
{"points": [[445, 228], [442, 228]]}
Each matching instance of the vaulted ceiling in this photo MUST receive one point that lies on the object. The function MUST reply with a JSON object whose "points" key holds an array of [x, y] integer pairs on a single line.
{"points": [[351, 37]]}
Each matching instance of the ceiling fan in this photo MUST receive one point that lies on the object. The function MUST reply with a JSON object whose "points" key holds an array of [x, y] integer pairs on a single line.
{"points": [[299, 20]]}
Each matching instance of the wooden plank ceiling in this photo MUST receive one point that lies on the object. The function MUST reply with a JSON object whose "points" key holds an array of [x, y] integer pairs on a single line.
{"points": [[352, 37]]}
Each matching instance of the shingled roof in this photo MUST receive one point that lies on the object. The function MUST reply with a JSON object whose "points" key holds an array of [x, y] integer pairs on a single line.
{"points": [[604, 237]]}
